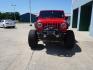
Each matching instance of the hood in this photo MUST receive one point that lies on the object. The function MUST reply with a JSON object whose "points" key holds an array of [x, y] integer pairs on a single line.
{"points": [[51, 20]]}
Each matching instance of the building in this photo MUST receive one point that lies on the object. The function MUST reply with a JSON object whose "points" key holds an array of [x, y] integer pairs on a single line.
{"points": [[26, 17], [82, 15]]}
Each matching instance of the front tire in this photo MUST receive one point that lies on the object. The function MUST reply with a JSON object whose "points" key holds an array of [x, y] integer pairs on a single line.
{"points": [[32, 39], [69, 40]]}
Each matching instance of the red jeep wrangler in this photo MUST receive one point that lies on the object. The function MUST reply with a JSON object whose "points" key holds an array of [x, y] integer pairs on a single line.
{"points": [[51, 26]]}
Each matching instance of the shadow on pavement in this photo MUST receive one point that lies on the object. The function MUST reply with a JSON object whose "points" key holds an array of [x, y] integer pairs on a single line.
{"points": [[10, 28], [39, 47], [59, 50]]}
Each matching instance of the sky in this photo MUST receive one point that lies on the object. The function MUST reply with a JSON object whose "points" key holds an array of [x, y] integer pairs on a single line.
{"points": [[22, 6]]}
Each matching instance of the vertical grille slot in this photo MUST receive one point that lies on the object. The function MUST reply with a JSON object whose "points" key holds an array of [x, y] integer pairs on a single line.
{"points": [[56, 25]]}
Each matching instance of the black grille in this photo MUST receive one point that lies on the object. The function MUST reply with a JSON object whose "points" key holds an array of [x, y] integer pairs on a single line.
{"points": [[55, 25]]}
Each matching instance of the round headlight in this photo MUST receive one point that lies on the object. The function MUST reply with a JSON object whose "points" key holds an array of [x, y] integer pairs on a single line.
{"points": [[63, 25], [39, 24]]}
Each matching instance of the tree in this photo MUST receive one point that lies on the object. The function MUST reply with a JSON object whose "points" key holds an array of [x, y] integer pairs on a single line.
{"points": [[10, 15], [0, 15], [17, 15]]}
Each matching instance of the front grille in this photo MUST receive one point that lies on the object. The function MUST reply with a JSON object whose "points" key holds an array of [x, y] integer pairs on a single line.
{"points": [[54, 25]]}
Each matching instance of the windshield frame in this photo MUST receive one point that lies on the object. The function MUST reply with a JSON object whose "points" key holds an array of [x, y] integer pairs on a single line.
{"points": [[51, 14]]}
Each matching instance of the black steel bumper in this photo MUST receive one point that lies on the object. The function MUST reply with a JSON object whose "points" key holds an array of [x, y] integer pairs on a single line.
{"points": [[51, 36]]}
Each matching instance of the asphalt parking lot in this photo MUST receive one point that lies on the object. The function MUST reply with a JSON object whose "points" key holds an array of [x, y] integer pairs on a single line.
{"points": [[15, 54]]}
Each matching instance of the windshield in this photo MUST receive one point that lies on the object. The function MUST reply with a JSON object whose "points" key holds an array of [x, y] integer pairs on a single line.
{"points": [[51, 14]]}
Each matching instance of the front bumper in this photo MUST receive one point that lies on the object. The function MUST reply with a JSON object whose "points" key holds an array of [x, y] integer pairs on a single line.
{"points": [[9, 25], [51, 35]]}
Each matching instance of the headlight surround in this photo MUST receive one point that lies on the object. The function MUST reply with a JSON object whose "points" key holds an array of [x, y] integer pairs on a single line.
{"points": [[63, 25], [39, 25]]}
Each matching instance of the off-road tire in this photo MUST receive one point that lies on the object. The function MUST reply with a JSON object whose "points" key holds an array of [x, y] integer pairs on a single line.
{"points": [[32, 39], [69, 40]]}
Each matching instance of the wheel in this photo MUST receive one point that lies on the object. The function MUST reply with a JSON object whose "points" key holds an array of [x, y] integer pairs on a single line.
{"points": [[32, 39], [4, 26], [13, 26], [69, 40]]}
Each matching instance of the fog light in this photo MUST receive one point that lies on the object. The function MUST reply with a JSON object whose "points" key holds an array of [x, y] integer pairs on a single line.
{"points": [[57, 36], [45, 36]]}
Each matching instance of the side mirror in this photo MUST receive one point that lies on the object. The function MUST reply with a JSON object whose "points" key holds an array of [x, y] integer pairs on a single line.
{"points": [[36, 17], [66, 18]]}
